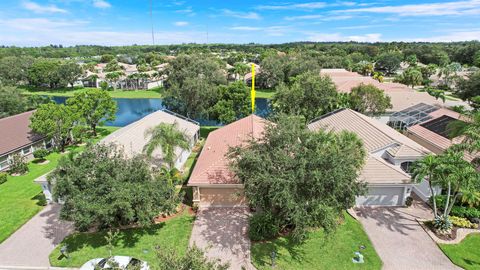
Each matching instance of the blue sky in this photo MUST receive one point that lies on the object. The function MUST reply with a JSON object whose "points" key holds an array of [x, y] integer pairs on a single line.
{"points": [[113, 22]]}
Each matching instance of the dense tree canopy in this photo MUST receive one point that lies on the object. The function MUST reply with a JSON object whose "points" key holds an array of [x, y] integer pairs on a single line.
{"points": [[309, 95], [369, 99], [388, 62], [233, 103], [94, 107], [302, 179], [100, 187], [13, 102], [470, 87], [192, 84]]}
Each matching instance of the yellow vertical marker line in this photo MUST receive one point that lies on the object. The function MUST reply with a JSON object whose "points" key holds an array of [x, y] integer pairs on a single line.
{"points": [[252, 93]]}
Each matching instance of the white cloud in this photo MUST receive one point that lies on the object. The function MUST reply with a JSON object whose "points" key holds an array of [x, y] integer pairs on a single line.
{"points": [[310, 5], [245, 28], [39, 24], [471, 7], [182, 23], [32, 6], [241, 15], [101, 4], [318, 17], [330, 37]]}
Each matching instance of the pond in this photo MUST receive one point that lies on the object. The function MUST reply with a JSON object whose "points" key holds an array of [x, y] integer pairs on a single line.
{"points": [[131, 110]]}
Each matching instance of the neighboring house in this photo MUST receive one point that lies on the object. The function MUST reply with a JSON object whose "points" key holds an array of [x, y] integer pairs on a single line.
{"points": [[16, 137], [389, 156], [132, 137], [402, 96], [433, 132], [214, 184]]}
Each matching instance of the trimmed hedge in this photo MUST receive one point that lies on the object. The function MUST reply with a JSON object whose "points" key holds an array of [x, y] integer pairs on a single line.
{"points": [[3, 177]]}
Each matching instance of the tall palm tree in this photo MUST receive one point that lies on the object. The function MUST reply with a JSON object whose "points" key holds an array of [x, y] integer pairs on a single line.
{"points": [[167, 137], [471, 132], [425, 168]]}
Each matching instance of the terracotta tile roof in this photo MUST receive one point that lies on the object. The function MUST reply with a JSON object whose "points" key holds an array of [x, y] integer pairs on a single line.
{"points": [[15, 133], [376, 138], [212, 166]]}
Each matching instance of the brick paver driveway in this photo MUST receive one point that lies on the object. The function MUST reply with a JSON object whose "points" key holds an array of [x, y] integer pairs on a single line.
{"points": [[31, 245], [222, 233], [400, 241]]}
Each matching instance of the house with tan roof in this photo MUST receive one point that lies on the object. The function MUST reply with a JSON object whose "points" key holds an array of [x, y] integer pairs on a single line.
{"points": [[402, 96], [390, 155], [132, 137], [433, 132], [16, 137], [214, 184]]}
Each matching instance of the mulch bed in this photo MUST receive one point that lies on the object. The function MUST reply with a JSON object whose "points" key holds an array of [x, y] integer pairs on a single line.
{"points": [[183, 208], [446, 237]]}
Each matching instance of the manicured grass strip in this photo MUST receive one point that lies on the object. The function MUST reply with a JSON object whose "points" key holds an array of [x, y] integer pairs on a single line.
{"points": [[21, 198], [139, 243], [68, 92], [319, 251], [264, 93], [205, 130], [465, 254]]}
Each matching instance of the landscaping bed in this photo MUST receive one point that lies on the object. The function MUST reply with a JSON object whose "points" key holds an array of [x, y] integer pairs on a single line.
{"points": [[140, 243], [319, 251]]}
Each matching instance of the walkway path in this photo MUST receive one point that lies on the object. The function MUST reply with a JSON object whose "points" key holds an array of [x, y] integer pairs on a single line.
{"points": [[222, 233], [31, 245], [400, 241]]}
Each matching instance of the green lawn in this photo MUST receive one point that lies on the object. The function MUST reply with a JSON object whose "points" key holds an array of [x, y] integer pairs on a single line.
{"points": [[68, 92], [264, 93], [319, 251], [21, 198], [466, 254], [205, 130], [139, 243]]}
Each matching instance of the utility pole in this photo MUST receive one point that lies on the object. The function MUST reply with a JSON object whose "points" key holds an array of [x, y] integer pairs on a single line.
{"points": [[151, 22]]}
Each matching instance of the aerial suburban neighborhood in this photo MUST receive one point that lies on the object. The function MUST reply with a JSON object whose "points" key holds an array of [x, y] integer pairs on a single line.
{"points": [[198, 135]]}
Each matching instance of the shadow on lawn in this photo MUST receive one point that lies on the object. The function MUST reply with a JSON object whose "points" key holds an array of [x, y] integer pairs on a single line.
{"points": [[262, 252], [127, 238], [40, 199]]}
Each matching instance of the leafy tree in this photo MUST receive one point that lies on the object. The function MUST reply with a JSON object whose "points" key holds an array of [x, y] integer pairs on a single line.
{"points": [[233, 102], [100, 187], [412, 60], [45, 72], [70, 72], [436, 93], [168, 138], [113, 77], [388, 62], [107, 58], [449, 73], [55, 121], [11, 101], [94, 107], [13, 69], [303, 179], [113, 66], [240, 69], [427, 71], [191, 87], [194, 258], [476, 59], [470, 130], [272, 73], [470, 87], [310, 95], [364, 67], [411, 77], [18, 164], [369, 99]]}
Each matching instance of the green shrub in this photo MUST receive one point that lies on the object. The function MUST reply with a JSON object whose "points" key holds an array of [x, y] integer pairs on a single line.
{"points": [[465, 212], [3, 177], [263, 226], [462, 222], [103, 85], [18, 164], [443, 224], [409, 201], [40, 153]]}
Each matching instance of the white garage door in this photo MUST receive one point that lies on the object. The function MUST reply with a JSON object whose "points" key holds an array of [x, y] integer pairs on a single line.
{"points": [[386, 196]]}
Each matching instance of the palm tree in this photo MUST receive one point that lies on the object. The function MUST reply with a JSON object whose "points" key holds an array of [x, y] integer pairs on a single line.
{"points": [[471, 132], [167, 137], [425, 168]]}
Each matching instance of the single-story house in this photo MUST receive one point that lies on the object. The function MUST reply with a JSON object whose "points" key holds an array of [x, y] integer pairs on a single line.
{"points": [[16, 137], [132, 137], [433, 132], [390, 154], [402, 96], [214, 184]]}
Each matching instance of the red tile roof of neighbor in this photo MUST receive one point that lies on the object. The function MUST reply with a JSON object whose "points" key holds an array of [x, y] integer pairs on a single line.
{"points": [[15, 133], [212, 165]]}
